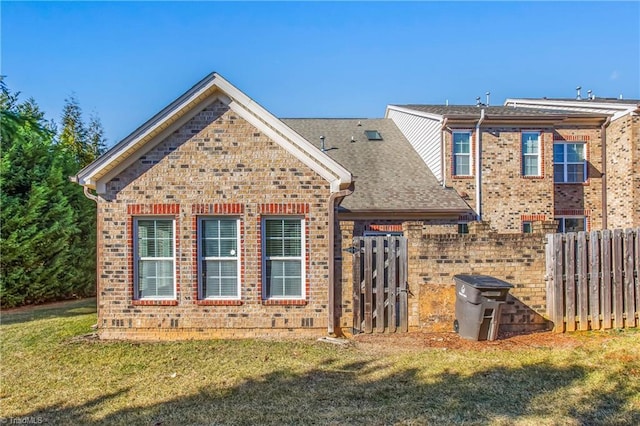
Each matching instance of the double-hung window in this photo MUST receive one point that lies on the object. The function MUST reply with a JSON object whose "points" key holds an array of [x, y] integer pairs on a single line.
{"points": [[571, 224], [569, 165], [462, 153], [219, 258], [154, 253], [530, 153], [283, 249]]}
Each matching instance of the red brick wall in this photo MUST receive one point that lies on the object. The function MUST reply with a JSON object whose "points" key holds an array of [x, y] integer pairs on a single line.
{"points": [[507, 196], [216, 164], [435, 257], [623, 172]]}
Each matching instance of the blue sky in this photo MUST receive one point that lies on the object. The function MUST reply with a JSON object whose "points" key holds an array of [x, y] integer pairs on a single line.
{"points": [[126, 60]]}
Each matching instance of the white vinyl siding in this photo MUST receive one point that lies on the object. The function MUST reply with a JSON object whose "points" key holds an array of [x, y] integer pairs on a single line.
{"points": [[531, 153], [424, 135], [461, 153], [569, 165], [283, 248], [154, 251], [219, 257]]}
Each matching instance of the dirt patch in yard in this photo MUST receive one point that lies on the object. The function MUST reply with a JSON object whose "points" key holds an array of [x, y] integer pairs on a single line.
{"points": [[450, 340]]}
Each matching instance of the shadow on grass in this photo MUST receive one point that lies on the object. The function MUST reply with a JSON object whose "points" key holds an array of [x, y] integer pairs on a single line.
{"points": [[365, 393], [52, 310]]}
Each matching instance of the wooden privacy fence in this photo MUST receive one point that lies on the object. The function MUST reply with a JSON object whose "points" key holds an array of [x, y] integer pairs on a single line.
{"points": [[592, 279], [380, 300]]}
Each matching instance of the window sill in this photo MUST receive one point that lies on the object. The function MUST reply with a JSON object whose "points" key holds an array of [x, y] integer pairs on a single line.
{"points": [[284, 302], [462, 176], [219, 302], [532, 177], [144, 302]]}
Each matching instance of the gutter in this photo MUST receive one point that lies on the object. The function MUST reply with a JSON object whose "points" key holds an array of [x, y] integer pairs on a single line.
{"points": [[332, 291], [479, 168], [603, 141]]}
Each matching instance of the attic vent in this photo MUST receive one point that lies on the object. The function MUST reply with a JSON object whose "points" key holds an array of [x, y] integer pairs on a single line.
{"points": [[373, 135]]}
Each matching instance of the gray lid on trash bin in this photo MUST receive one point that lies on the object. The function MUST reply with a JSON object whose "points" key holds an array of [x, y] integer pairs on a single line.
{"points": [[482, 281]]}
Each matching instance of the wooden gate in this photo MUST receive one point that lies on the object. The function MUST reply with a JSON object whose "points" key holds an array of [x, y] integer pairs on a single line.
{"points": [[380, 284]]}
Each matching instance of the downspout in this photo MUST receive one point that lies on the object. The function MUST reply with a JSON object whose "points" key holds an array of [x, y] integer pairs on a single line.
{"points": [[89, 195], [332, 291], [442, 151], [92, 197], [479, 168], [603, 141]]}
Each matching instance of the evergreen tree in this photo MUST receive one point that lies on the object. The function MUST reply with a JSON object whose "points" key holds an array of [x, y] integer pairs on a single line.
{"points": [[37, 220], [48, 237], [73, 136], [95, 137]]}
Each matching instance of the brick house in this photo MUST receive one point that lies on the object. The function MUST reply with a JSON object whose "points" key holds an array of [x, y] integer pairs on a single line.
{"points": [[621, 152], [216, 219], [527, 161]]}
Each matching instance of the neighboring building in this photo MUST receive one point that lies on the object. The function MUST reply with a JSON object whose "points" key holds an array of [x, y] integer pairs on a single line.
{"points": [[621, 168], [535, 164], [217, 219]]}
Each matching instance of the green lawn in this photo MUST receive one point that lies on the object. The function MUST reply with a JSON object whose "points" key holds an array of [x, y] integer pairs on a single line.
{"points": [[53, 378]]}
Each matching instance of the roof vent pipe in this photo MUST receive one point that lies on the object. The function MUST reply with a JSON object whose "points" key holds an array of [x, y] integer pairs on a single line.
{"points": [[322, 148], [589, 95], [620, 96], [488, 94], [478, 103], [578, 95]]}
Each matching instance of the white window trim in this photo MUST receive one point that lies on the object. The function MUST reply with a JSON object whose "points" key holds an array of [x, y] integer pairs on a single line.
{"points": [[561, 219], [301, 258], [201, 259], [566, 163], [524, 224], [136, 259], [453, 151], [538, 154]]}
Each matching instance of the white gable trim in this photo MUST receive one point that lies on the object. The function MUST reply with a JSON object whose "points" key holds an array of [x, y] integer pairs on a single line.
{"points": [[413, 112], [151, 143], [287, 145], [176, 114]]}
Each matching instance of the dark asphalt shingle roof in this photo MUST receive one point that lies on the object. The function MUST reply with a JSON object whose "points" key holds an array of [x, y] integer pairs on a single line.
{"points": [[389, 175], [454, 111]]}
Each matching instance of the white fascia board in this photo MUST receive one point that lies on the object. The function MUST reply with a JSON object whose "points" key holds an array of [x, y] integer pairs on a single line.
{"points": [[413, 112], [263, 127], [572, 104], [140, 151], [86, 175], [267, 118]]}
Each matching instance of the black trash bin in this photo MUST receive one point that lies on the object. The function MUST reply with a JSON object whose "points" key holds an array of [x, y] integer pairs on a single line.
{"points": [[479, 300]]}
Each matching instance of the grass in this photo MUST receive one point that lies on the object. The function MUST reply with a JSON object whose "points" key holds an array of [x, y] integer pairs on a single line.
{"points": [[51, 377]]}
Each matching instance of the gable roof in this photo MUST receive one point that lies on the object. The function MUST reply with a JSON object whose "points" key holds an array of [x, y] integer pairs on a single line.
{"points": [[212, 87], [390, 175]]}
